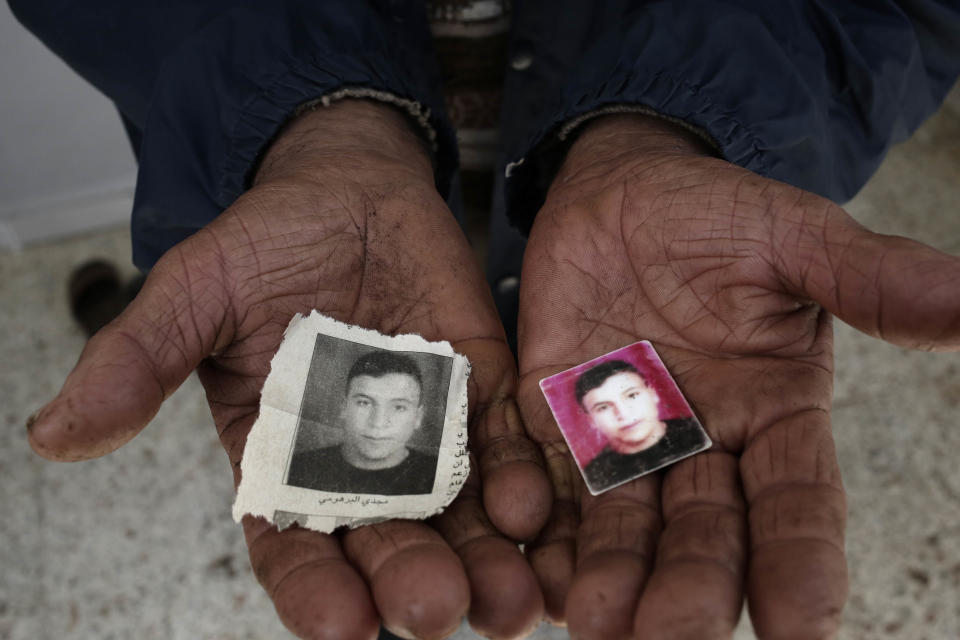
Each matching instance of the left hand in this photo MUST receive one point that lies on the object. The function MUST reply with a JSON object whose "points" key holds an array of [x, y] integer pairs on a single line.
{"points": [[733, 278]]}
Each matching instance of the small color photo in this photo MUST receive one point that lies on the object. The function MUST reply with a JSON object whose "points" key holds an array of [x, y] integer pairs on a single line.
{"points": [[623, 416]]}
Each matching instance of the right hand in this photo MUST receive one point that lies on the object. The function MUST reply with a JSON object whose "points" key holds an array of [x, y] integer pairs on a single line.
{"points": [[343, 218]]}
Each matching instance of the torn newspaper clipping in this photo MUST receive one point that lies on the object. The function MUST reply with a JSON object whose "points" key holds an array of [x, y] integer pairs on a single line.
{"points": [[355, 427]]}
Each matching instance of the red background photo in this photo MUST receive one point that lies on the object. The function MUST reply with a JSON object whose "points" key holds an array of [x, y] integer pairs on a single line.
{"points": [[586, 442]]}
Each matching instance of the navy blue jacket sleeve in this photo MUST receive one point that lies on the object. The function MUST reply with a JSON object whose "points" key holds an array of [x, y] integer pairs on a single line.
{"points": [[209, 84], [810, 92]]}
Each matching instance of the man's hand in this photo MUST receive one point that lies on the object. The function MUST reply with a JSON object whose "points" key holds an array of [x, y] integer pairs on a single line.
{"points": [[343, 218], [733, 278]]}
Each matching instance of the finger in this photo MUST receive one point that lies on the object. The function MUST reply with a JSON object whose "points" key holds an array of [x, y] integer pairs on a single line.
{"points": [[797, 575], [797, 580], [316, 592], [505, 599], [696, 588], [552, 555], [516, 490], [615, 548], [888, 286], [418, 584], [133, 364]]}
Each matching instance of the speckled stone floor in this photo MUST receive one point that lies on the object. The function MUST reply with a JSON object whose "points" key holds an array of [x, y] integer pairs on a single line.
{"points": [[141, 543]]}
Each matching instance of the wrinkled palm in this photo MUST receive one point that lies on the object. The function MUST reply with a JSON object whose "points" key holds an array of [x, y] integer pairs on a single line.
{"points": [[733, 278]]}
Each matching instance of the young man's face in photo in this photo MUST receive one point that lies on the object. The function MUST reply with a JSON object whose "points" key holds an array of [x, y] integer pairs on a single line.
{"points": [[625, 410], [379, 416]]}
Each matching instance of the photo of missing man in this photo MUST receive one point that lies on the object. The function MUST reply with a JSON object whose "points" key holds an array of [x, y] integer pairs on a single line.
{"points": [[370, 421], [623, 416]]}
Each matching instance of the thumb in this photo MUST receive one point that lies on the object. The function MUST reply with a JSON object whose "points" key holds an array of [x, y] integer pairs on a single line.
{"points": [[131, 366], [890, 287]]}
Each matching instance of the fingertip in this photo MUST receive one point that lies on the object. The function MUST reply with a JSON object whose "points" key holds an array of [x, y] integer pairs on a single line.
{"points": [[517, 498], [32, 419], [45, 435], [58, 433], [422, 592], [799, 594], [554, 566], [108, 397], [506, 599], [316, 592], [333, 604], [603, 597], [692, 601]]}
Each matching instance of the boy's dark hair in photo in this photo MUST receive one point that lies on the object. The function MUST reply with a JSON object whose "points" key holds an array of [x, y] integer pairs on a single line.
{"points": [[380, 363], [596, 376]]}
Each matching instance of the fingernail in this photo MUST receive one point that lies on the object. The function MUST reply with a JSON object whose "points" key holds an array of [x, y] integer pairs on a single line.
{"points": [[33, 419]]}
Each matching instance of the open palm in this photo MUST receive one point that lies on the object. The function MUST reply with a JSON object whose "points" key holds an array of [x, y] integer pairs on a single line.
{"points": [[343, 218], [734, 279]]}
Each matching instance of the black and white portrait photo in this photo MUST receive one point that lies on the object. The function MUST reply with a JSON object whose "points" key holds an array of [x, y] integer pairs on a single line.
{"points": [[355, 427], [370, 421]]}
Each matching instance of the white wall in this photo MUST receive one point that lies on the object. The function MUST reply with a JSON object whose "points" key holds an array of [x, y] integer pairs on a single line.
{"points": [[65, 163]]}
